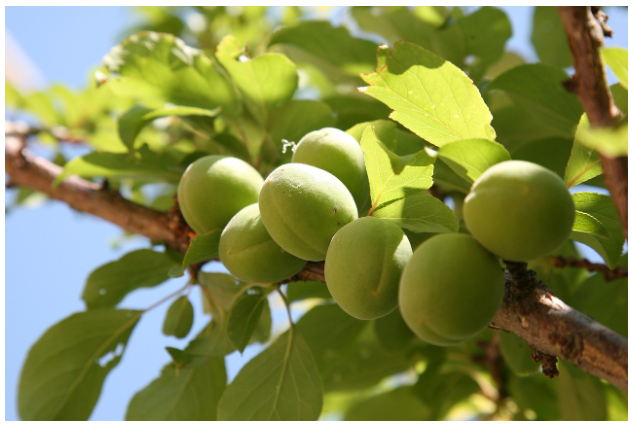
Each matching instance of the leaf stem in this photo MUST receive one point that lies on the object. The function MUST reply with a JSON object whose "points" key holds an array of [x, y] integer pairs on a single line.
{"points": [[164, 299]]}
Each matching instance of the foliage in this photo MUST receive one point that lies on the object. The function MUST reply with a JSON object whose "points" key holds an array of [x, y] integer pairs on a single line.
{"points": [[436, 107]]}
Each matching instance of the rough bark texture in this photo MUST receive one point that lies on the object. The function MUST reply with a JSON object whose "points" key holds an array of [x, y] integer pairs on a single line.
{"points": [[529, 310], [585, 28]]}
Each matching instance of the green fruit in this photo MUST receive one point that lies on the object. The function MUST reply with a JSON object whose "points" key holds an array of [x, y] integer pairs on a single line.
{"points": [[302, 207], [363, 267], [214, 188], [517, 354], [250, 254], [519, 210], [450, 289], [338, 153]]}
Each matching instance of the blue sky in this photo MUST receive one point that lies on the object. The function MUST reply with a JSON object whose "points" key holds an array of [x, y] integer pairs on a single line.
{"points": [[51, 250]]}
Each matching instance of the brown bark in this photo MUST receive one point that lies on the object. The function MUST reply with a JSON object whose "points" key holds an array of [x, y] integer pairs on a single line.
{"points": [[529, 310], [585, 28]]}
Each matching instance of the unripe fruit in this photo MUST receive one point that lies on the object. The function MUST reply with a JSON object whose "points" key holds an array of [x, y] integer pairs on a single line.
{"points": [[214, 188], [363, 267], [250, 254], [450, 289], [338, 153], [519, 210], [302, 207]]}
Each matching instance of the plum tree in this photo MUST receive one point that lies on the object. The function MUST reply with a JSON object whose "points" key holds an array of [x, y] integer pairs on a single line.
{"points": [[338, 153], [519, 210], [302, 207], [214, 188], [450, 289], [250, 254], [363, 267]]}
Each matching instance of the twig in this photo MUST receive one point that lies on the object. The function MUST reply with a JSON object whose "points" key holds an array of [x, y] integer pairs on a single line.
{"points": [[585, 28], [609, 274]]}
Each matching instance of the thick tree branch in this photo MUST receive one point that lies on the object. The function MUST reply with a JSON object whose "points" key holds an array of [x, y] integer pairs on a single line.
{"points": [[585, 28], [529, 310]]}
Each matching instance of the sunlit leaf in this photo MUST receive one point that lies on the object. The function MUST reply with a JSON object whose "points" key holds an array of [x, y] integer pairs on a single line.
{"points": [[617, 59], [470, 158]]}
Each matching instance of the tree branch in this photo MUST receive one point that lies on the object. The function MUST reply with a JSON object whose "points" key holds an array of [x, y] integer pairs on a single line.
{"points": [[529, 310], [609, 274], [585, 28]]}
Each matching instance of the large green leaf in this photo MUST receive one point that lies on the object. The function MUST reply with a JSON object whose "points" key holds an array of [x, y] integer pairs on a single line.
{"points": [[212, 341], [244, 316], [536, 393], [602, 208], [179, 318], [582, 396], [65, 369], [159, 68], [301, 290], [610, 141], [266, 81], [470, 158], [328, 47], [133, 121], [617, 59], [538, 89], [552, 153], [606, 302], [110, 283], [181, 394], [392, 331], [400, 404], [419, 213], [389, 177], [281, 383], [297, 118], [587, 224], [584, 163], [549, 38], [429, 95]]}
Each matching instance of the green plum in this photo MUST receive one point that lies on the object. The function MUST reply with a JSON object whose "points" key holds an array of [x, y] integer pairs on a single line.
{"points": [[302, 207], [338, 153], [363, 267], [250, 254], [214, 188], [450, 289], [519, 210]]}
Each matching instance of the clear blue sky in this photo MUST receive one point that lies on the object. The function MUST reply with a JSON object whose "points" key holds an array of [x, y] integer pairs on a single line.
{"points": [[51, 250]]}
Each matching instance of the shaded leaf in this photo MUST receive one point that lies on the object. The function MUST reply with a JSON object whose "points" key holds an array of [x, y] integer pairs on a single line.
{"points": [[470, 158], [429, 96], [65, 369], [602, 208], [419, 213], [244, 316], [617, 59], [549, 38], [581, 396], [109, 284], [536, 393], [212, 341], [400, 404], [179, 318], [203, 247], [301, 290], [551, 153], [181, 394], [392, 331], [606, 302], [281, 383]]}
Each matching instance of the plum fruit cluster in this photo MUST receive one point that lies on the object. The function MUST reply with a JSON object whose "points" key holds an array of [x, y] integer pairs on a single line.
{"points": [[447, 289]]}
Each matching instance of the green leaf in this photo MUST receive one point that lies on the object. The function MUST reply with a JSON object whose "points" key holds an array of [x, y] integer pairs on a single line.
{"points": [[297, 118], [535, 393], [132, 122], [203, 247], [470, 158], [264, 325], [584, 163], [266, 81], [419, 213], [212, 341], [606, 302], [392, 331], [610, 141], [181, 358], [552, 153], [281, 383], [445, 389], [65, 369], [582, 396], [145, 165], [353, 108], [620, 96], [389, 179], [12, 97], [327, 46], [538, 89], [446, 178], [223, 289], [400, 404], [517, 354], [159, 68], [429, 96], [301, 290], [244, 316], [179, 318], [329, 331], [549, 38], [181, 394], [617, 59], [587, 224], [110, 283], [602, 208]]}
